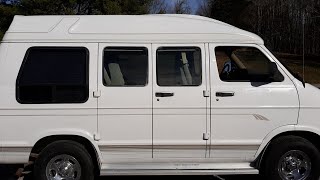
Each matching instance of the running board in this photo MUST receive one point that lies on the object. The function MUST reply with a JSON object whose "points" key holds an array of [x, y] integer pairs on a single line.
{"points": [[148, 172]]}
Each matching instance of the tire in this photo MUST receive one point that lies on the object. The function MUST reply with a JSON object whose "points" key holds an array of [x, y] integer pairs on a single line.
{"points": [[50, 161], [277, 159]]}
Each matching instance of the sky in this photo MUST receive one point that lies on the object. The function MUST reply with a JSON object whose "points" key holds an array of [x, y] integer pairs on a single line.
{"points": [[193, 4]]}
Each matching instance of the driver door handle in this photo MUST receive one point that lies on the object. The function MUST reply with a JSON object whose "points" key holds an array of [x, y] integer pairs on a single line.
{"points": [[225, 94], [164, 94]]}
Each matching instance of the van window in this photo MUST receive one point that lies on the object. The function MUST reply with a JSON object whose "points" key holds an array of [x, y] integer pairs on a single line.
{"points": [[125, 66], [179, 66], [53, 75], [245, 64]]}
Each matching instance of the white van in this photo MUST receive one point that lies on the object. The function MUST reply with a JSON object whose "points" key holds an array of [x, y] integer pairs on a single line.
{"points": [[83, 96]]}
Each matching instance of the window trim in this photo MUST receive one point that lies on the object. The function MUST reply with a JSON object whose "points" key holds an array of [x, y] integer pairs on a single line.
{"points": [[179, 47], [50, 48], [246, 46], [121, 48]]}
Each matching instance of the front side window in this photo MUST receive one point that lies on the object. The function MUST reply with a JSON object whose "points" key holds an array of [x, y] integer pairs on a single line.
{"points": [[125, 66], [179, 66], [245, 64], [53, 75]]}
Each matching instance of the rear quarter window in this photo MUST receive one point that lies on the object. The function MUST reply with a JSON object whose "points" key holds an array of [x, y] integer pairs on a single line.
{"points": [[53, 75]]}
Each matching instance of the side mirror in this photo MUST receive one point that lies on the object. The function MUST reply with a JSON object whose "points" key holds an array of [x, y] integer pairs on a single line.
{"points": [[273, 69]]}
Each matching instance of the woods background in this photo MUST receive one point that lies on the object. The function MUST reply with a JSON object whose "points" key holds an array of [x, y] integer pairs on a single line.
{"points": [[290, 28]]}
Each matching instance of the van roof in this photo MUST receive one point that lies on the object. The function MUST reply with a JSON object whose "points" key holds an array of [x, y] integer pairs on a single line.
{"points": [[125, 28]]}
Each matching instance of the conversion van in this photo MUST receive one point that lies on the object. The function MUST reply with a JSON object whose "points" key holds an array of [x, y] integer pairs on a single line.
{"points": [[83, 96]]}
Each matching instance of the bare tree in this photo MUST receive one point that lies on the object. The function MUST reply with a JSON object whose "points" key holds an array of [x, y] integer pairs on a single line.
{"points": [[83, 7], [181, 7], [204, 8], [158, 7]]}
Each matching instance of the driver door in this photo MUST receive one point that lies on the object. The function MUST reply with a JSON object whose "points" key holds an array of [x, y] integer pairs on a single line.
{"points": [[246, 104]]}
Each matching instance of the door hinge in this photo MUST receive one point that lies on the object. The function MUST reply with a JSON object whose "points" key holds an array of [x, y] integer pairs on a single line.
{"points": [[206, 136], [96, 136], [96, 94], [206, 93]]}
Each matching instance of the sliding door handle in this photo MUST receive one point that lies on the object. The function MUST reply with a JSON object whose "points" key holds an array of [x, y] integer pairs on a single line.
{"points": [[224, 94], [164, 94]]}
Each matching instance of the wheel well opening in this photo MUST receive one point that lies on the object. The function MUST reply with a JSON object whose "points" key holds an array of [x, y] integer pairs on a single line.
{"points": [[310, 136], [44, 142]]}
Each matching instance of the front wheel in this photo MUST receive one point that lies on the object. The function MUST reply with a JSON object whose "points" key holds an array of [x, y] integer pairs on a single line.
{"points": [[291, 158], [64, 160]]}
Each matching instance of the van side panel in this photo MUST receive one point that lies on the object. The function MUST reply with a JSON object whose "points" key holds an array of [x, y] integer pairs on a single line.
{"points": [[22, 125], [3, 53]]}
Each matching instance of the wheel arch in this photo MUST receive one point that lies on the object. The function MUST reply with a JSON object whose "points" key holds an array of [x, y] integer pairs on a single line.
{"points": [[91, 147], [311, 134]]}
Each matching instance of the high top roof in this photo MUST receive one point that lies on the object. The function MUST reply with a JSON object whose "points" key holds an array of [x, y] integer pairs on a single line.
{"points": [[125, 28]]}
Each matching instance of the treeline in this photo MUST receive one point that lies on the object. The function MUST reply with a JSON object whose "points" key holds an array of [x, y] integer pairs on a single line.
{"points": [[281, 23], [69, 7], [9, 8]]}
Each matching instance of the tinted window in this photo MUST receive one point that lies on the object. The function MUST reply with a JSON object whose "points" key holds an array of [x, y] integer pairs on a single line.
{"points": [[125, 66], [53, 75], [246, 64], [180, 66]]}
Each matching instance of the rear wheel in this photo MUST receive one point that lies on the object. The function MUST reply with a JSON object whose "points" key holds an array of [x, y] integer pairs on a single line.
{"points": [[291, 158], [64, 160]]}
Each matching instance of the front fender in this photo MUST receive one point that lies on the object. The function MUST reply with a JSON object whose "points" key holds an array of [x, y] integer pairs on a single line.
{"points": [[284, 129]]}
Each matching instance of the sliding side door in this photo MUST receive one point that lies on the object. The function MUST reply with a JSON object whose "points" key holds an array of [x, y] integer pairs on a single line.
{"points": [[125, 103], [179, 105]]}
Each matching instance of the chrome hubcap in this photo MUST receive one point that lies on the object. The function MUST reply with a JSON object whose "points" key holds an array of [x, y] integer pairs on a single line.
{"points": [[294, 165], [63, 167]]}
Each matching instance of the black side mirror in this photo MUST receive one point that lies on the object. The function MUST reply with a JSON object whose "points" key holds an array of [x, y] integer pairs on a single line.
{"points": [[273, 69]]}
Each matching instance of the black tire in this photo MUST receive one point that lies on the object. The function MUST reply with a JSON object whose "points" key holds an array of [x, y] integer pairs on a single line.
{"points": [[70, 148], [282, 145]]}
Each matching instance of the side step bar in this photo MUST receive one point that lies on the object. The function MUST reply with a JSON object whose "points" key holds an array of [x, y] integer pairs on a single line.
{"points": [[148, 172]]}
